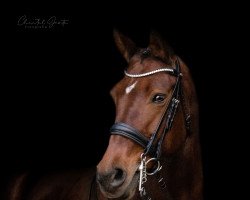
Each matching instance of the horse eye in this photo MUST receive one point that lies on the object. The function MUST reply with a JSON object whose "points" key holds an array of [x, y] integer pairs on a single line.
{"points": [[158, 98]]}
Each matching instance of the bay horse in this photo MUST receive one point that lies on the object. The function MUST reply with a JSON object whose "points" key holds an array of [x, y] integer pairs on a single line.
{"points": [[154, 149]]}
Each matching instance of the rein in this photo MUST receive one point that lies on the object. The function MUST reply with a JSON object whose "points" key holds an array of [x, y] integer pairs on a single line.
{"points": [[151, 146]]}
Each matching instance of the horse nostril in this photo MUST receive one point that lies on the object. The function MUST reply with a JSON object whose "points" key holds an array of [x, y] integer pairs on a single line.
{"points": [[118, 178], [111, 180], [118, 174]]}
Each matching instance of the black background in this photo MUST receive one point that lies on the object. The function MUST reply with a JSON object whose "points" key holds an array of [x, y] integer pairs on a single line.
{"points": [[56, 81]]}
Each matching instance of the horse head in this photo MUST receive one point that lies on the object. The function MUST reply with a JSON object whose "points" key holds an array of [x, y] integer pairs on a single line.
{"points": [[156, 117]]}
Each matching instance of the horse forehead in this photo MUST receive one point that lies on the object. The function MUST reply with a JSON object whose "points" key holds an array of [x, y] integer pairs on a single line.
{"points": [[139, 65], [130, 87], [159, 82]]}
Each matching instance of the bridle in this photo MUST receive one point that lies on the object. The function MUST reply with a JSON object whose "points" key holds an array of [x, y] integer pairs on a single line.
{"points": [[152, 146], [165, 122]]}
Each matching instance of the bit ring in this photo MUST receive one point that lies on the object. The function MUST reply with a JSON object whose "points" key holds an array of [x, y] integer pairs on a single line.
{"points": [[158, 166]]}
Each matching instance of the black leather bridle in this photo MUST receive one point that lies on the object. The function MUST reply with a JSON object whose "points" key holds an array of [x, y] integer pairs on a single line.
{"points": [[151, 146]]}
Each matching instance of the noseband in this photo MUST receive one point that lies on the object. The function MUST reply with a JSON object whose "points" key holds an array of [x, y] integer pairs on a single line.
{"points": [[150, 145]]}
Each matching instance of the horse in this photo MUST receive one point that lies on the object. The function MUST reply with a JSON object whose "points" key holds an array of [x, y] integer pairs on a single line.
{"points": [[154, 149]]}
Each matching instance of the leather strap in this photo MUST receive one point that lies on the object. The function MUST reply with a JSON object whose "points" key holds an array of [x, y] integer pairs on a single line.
{"points": [[167, 118], [129, 132]]}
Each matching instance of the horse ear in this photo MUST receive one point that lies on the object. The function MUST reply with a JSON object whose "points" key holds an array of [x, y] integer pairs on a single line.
{"points": [[125, 45], [159, 47]]}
